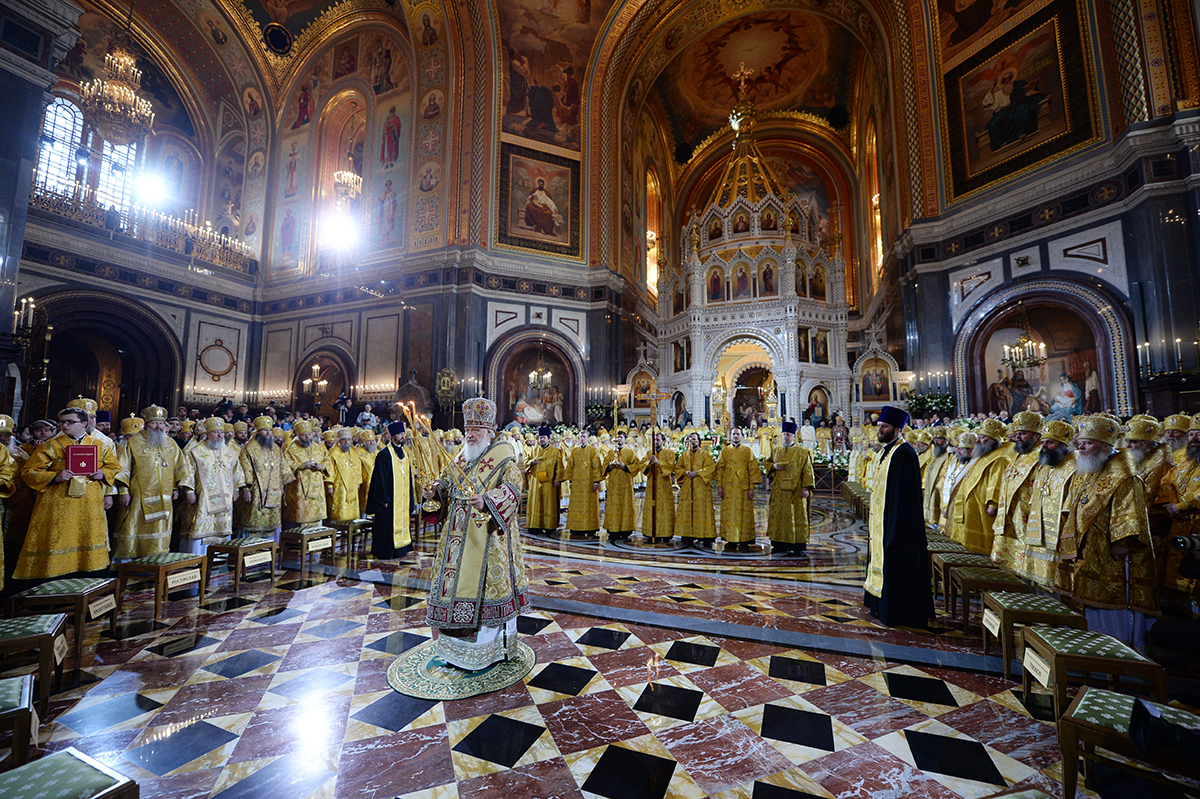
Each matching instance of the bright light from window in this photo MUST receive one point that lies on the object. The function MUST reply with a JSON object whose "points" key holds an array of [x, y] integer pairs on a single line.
{"points": [[150, 189], [340, 230]]}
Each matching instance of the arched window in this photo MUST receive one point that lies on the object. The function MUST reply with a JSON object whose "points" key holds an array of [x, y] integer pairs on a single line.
{"points": [[62, 133], [654, 220], [114, 180], [874, 213]]}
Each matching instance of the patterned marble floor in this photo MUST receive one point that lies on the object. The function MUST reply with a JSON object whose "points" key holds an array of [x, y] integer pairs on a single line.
{"points": [[651, 681]]}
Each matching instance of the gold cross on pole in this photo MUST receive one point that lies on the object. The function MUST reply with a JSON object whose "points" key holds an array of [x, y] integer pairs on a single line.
{"points": [[740, 76]]}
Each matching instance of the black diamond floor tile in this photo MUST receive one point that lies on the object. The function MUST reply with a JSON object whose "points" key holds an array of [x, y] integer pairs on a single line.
{"points": [[681, 599], [108, 713], [277, 615], [696, 654], [954, 757], [919, 689], [500, 739], [603, 638], [765, 790], [313, 684], [617, 590], [300, 585], [399, 602], [286, 778], [836, 602], [804, 671], [802, 727], [622, 773], [669, 700], [333, 628], [563, 679], [393, 711], [241, 664], [227, 604], [531, 625], [396, 643], [182, 646], [180, 747]]}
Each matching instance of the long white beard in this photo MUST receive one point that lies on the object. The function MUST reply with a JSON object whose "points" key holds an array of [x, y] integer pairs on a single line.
{"points": [[218, 445], [1139, 456], [157, 438], [1090, 464], [473, 452]]}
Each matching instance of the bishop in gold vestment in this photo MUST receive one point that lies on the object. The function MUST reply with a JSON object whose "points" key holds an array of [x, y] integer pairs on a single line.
{"points": [[545, 471], [367, 449], [207, 516], [1008, 530], [1048, 504], [694, 470], [153, 471], [738, 472], [584, 469], [345, 477], [266, 474], [304, 499], [1178, 497], [935, 474], [68, 532], [791, 473], [976, 499]]}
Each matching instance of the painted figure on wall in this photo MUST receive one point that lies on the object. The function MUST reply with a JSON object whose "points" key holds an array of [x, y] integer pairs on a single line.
{"points": [[769, 221], [1067, 401], [1014, 106], [381, 69], [287, 234], [766, 286], [518, 82], [387, 212], [389, 149], [802, 345], [714, 230], [429, 36], [347, 62], [569, 99], [741, 283], [303, 108], [716, 286], [540, 210], [292, 165], [821, 347]]}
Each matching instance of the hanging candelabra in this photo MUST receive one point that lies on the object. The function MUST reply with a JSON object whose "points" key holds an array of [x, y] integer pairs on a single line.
{"points": [[113, 102]]}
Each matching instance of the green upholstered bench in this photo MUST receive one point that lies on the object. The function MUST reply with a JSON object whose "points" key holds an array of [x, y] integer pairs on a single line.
{"points": [[1064, 649], [81, 598], [42, 634], [307, 541], [169, 570], [1099, 719], [355, 530], [1004, 609], [17, 714], [966, 581], [69, 774], [940, 564], [243, 553]]}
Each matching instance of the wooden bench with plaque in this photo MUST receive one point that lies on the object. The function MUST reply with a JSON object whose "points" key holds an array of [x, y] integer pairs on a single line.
{"points": [[168, 570]]}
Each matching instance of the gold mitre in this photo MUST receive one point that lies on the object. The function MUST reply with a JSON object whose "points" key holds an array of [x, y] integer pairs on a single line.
{"points": [[240, 427], [1027, 422], [214, 424], [479, 412], [263, 423], [1143, 428], [345, 433], [329, 435], [992, 428], [1058, 430], [1099, 428], [82, 404], [966, 440], [131, 424], [154, 413], [7, 423], [1179, 422]]}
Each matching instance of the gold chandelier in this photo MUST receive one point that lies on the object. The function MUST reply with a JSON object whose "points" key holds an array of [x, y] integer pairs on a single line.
{"points": [[540, 378], [346, 182], [113, 102]]}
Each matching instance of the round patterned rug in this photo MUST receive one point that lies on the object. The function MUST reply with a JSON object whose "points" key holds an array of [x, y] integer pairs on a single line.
{"points": [[418, 673]]}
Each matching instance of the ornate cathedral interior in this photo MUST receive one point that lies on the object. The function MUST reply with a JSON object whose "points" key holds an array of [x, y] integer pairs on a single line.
{"points": [[685, 216]]}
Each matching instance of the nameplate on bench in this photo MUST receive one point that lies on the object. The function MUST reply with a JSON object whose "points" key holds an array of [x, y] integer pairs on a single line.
{"points": [[183, 578], [102, 605], [991, 622], [255, 558], [319, 544], [1036, 665]]}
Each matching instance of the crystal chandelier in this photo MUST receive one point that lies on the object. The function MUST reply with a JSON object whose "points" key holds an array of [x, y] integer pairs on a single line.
{"points": [[113, 102], [539, 378], [346, 182], [1025, 353]]}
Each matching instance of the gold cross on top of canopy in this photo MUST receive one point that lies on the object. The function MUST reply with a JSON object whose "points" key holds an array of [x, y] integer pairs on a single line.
{"points": [[740, 76]]}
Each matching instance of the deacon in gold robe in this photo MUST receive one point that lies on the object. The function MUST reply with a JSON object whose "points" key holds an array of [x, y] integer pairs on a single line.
{"points": [[1008, 530], [304, 502], [658, 502], [1106, 557], [153, 472], [344, 479], [207, 516], [584, 470], [792, 481], [976, 499], [1048, 504], [620, 515], [265, 473], [921, 442], [737, 473], [67, 532], [478, 586], [695, 518], [897, 590], [391, 499], [545, 471]]}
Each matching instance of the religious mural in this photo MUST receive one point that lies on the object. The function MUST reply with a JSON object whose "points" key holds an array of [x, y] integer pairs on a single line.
{"points": [[876, 380], [800, 62], [820, 347], [817, 409], [539, 201], [85, 61], [802, 343], [963, 23], [1066, 385], [295, 15], [230, 176], [546, 46], [1020, 100], [802, 180], [642, 390], [529, 406]]}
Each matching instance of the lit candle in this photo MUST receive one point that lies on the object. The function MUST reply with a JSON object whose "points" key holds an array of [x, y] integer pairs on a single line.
{"points": [[1178, 357]]}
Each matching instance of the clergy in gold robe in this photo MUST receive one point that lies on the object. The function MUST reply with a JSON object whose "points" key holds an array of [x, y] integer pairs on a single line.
{"points": [[935, 474], [1179, 498], [1106, 557], [265, 473], [67, 531], [976, 499], [367, 449], [391, 497], [1008, 530], [695, 518], [922, 444], [1048, 504], [584, 469], [344, 478], [478, 586], [207, 515], [658, 502], [791, 472], [545, 473], [8, 482], [153, 473], [304, 502], [620, 515], [738, 472]]}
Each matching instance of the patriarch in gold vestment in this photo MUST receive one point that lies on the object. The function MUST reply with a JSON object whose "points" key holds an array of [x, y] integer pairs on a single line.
{"points": [[153, 473], [304, 499]]}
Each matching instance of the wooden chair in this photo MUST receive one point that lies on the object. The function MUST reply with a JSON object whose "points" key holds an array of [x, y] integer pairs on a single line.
{"points": [[168, 570], [307, 541], [16, 714], [41, 634], [940, 564], [966, 581], [242, 553]]}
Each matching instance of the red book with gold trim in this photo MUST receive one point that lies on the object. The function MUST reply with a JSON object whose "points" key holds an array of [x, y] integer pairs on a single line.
{"points": [[83, 458]]}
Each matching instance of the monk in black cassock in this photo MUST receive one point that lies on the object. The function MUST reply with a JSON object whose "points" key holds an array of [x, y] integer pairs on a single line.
{"points": [[390, 498], [897, 588]]}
